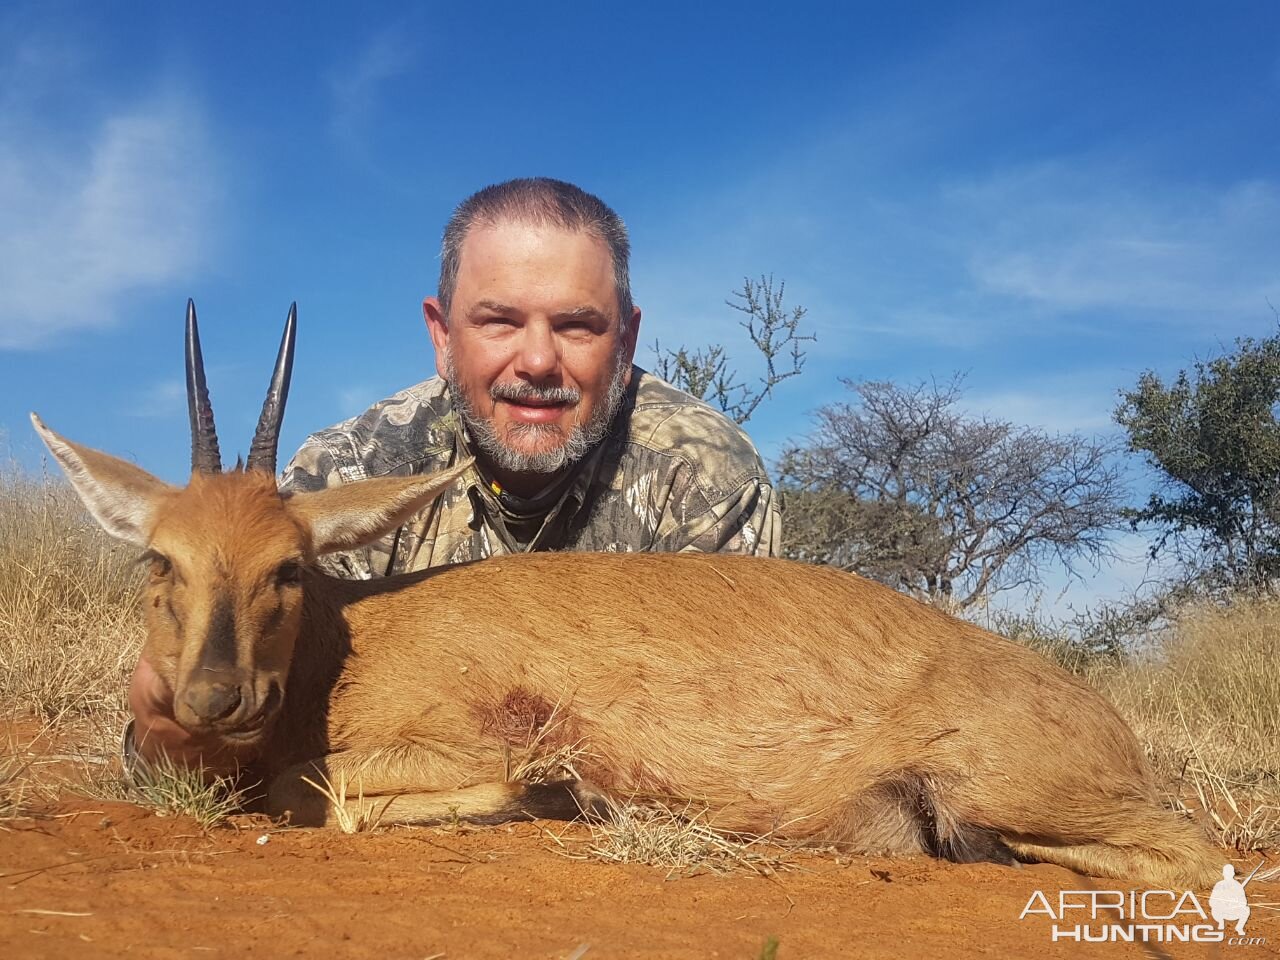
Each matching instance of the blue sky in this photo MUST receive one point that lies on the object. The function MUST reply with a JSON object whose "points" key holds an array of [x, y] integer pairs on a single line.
{"points": [[1049, 198]]}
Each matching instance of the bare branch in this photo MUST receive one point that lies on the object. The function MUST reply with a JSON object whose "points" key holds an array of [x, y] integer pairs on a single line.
{"points": [[774, 332]]}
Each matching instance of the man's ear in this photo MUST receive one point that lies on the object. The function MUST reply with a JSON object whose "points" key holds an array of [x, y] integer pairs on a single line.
{"points": [[354, 514], [630, 338], [438, 327], [121, 497]]}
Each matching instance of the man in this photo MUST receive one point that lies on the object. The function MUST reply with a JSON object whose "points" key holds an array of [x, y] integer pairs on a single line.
{"points": [[576, 449]]}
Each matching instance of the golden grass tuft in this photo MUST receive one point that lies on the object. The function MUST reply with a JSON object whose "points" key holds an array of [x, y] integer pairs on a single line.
{"points": [[350, 814], [680, 840], [69, 629], [1203, 700]]}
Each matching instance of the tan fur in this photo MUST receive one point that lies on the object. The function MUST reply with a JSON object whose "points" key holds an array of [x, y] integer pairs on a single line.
{"points": [[783, 697]]}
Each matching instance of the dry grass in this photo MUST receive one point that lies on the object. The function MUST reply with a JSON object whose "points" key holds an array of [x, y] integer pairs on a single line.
{"points": [[682, 841], [14, 788], [69, 631], [545, 758], [350, 815], [174, 789], [1204, 702], [32, 775]]}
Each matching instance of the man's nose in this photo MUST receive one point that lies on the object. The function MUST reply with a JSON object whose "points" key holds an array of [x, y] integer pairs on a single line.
{"points": [[538, 357]]}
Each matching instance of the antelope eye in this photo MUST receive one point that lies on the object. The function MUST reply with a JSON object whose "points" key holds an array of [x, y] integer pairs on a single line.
{"points": [[160, 565], [289, 572]]}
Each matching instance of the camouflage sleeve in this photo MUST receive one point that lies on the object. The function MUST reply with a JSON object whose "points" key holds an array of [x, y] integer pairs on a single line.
{"points": [[314, 468], [747, 521]]}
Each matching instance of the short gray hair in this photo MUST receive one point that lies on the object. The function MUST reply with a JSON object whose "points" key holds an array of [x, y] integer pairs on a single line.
{"points": [[544, 202]]}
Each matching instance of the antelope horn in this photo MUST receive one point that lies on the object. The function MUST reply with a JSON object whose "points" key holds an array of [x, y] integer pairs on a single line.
{"points": [[262, 452], [205, 457]]}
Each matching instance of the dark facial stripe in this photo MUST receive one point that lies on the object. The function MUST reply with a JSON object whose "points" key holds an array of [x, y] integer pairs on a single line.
{"points": [[218, 652]]}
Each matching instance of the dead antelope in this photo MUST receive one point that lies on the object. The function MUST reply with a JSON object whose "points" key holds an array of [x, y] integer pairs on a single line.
{"points": [[784, 697]]}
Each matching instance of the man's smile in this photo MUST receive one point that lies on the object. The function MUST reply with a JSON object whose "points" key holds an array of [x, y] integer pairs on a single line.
{"points": [[533, 410]]}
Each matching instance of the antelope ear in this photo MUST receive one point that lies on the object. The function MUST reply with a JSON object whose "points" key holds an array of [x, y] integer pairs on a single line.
{"points": [[120, 496], [355, 514]]}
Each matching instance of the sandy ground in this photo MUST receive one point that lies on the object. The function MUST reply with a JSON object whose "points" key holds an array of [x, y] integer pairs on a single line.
{"points": [[98, 879], [87, 878]]}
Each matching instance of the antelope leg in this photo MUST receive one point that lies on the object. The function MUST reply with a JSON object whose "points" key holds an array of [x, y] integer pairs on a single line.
{"points": [[401, 790]]}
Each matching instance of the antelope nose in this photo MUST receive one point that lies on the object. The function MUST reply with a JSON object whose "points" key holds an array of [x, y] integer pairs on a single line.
{"points": [[213, 701]]}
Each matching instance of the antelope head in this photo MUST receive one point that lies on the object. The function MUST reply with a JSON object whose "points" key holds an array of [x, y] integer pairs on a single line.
{"points": [[228, 555]]}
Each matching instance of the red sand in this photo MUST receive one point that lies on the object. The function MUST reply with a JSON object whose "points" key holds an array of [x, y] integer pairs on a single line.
{"points": [[103, 879]]}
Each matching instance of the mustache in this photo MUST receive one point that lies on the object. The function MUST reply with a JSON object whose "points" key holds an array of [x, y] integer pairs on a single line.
{"points": [[521, 391]]}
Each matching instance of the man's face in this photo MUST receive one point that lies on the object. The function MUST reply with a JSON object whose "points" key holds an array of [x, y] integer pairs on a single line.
{"points": [[533, 349]]}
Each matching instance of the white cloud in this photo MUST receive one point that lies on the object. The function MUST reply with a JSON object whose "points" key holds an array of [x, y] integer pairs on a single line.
{"points": [[1081, 247], [1077, 239], [92, 214], [881, 241], [356, 84]]}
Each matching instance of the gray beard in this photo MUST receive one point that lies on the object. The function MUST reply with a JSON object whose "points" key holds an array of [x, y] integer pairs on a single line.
{"points": [[581, 438]]}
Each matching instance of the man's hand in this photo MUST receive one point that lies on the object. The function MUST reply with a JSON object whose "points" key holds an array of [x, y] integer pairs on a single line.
{"points": [[156, 732]]}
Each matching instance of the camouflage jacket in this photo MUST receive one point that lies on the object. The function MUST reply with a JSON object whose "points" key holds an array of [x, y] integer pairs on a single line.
{"points": [[673, 474]]}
